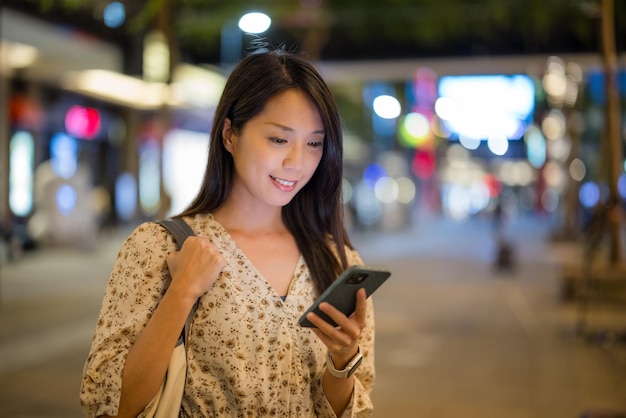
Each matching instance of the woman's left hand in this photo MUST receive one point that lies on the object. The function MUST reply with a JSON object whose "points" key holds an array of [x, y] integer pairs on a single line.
{"points": [[343, 340]]}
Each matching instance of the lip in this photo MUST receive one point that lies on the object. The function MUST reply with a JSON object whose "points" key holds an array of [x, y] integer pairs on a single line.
{"points": [[284, 185]]}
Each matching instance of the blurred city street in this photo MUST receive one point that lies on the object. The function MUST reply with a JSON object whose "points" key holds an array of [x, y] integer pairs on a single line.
{"points": [[455, 337], [483, 150]]}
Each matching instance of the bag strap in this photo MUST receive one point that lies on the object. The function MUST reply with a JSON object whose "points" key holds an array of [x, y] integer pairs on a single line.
{"points": [[180, 230]]}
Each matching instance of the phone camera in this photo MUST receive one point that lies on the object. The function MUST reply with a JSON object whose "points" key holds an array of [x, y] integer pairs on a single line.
{"points": [[357, 278]]}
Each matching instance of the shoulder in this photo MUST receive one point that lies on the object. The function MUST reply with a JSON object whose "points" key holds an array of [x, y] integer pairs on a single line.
{"points": [[142, 260], [353, 256], [147, 238], [151, 232], [205, 225]]}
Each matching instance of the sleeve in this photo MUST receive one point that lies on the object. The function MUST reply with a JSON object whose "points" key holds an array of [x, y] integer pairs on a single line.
{"points": [[361, 405], [137, 283]]}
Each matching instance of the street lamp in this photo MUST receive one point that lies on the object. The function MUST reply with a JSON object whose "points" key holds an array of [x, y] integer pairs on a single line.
{"points": [[255, 22], [232, 34]]}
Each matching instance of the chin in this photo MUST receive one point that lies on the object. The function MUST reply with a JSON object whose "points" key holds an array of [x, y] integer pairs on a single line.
{"points": [[282, 202]]}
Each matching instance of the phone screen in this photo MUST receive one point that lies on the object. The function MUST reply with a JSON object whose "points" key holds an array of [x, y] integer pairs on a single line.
{"points": [[342, 292]]}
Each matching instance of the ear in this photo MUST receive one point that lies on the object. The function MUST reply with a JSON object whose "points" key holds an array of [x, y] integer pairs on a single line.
{"points": [[227, 135]]}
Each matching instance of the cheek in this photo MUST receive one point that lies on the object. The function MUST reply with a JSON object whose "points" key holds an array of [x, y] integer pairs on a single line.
{"points": [[315, 162], [312, 165]]}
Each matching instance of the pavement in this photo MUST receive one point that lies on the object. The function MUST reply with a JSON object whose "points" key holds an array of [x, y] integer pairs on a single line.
{"points": [[455, 337]]}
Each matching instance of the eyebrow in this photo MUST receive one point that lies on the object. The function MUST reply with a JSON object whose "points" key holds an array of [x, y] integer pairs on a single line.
{"points": [[288, 129]]}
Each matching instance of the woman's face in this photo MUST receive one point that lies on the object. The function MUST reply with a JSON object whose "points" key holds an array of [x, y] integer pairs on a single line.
{"points": [[277, 151]]}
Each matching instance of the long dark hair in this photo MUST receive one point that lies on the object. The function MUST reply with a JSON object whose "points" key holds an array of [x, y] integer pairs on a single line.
{"points": [[315, 215]]}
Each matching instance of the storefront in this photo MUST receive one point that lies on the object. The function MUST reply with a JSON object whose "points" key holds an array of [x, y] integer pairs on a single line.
{"points": [[83, 144]]}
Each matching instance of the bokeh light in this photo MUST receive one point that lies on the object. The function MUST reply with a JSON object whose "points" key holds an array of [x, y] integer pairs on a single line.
{"points": [[550, 200], [21, 166], [577, 169], [387, 107], [554, 175], [156, 57], [150, 177], [114, 14], [535, 147], [589, 194], [373, 173], [406, 190], [64, 155], [386, 190], [367, 206], [255, 22], [457, 201], [558, 149], [184, 161], [498, 144], [415, 130], [469, 143], [621, 185], [516, 173], [346, 191], [553, 125], [483, 105], [424, 164], [125, 196], [83, 122], [66, 199]]}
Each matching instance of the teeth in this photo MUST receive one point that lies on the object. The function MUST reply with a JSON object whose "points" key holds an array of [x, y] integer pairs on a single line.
{"points": [[284, 182]]}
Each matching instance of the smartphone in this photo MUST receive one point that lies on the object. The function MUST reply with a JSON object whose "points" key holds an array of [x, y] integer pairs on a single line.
{"points": [[342, 292]]}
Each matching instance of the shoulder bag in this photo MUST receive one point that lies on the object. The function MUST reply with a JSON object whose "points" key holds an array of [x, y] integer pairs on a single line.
{"points": [[170, 395]]}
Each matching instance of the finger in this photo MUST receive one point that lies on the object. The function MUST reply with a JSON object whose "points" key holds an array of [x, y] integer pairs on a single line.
{"points": [[332, 338], [344, 324], [356, 322], [328, 342], [336, 333], [319, 322], [346, 334], [360, 311]]}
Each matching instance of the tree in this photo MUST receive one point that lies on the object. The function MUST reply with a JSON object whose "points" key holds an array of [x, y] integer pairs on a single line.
{"points": [[612, 136]]}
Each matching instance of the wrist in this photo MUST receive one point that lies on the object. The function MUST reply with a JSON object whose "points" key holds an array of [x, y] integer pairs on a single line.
{"points": [[180, 296], [345, 369], [340, 360]]}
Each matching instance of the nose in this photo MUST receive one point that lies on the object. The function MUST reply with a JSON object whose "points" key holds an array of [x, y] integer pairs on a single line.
{"points": [[294, 157]]}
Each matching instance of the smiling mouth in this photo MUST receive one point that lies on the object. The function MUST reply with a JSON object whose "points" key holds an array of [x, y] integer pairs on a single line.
{"points": [[283, 182]]}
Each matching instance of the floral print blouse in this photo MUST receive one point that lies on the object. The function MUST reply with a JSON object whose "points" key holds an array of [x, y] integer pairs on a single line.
{"points": [[247, 356]]}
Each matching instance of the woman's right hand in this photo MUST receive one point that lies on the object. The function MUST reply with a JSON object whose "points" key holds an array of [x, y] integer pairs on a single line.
{"points": [[195, 267]]}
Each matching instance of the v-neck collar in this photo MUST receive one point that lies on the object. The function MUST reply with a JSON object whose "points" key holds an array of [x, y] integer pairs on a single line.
{"points": [[231, 246]]}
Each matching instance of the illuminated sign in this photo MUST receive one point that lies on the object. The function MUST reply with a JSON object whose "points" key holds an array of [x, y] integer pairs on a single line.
{"points": [[486, 106], [82, 122]]}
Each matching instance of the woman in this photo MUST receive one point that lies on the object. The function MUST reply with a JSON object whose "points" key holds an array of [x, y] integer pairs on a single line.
{"points": [[270, 238]]}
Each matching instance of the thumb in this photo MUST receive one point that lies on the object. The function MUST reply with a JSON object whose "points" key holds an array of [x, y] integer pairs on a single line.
{"points": [[171, 261]]}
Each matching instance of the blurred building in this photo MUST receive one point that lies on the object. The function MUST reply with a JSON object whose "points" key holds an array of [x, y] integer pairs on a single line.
{"points": [[98, 130], [83, 132]]}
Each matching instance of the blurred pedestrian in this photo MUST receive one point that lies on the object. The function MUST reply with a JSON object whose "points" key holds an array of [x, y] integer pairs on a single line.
{"points": [[10, 243], [596, 227], [269, 239], [505, 253]]}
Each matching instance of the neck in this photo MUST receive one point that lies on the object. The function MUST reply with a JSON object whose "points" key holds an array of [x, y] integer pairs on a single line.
{"points": [[247, 218]]}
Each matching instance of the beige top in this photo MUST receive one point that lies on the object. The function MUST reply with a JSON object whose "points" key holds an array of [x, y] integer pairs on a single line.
{"points": [[247, 355]]}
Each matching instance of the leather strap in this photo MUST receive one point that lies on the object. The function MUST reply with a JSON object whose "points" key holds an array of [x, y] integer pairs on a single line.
{"points": [[180, 230]]}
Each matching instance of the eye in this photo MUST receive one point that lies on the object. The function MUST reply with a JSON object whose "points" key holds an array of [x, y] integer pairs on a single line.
{"points": [[277, 140], [316, 144]]}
